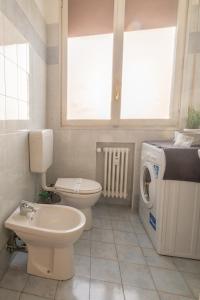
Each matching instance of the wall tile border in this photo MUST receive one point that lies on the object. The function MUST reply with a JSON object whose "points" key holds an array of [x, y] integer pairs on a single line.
{"points": [[12, 10]]}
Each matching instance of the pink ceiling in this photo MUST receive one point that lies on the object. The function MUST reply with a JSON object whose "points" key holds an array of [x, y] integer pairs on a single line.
{"points": [[88, 17]]}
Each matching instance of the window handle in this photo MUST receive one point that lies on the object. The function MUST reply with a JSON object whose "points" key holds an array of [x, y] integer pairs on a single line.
{"points": [[117, 92]]}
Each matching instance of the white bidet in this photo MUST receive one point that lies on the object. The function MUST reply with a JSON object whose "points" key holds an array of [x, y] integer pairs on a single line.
{"points": [[49, 234]]}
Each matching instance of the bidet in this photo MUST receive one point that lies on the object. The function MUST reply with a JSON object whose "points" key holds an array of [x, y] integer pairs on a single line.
{"points": [[49, 234]]}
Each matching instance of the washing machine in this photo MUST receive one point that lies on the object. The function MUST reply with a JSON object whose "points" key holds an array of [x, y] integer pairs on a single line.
{"points": [[168, 209]]}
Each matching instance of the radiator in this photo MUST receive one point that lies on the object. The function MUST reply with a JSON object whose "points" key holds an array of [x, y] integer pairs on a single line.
{"points": [[115, 172]]}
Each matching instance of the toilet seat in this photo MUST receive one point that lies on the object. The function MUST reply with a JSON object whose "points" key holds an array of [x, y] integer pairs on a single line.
{"points": [[77, 186]]}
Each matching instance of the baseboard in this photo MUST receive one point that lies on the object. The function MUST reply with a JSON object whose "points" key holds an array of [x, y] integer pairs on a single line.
{"points": [[114, 201]]}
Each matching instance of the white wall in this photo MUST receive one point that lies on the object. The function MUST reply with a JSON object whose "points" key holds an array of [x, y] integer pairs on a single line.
{"points": [[16, 181], [49, 10]]}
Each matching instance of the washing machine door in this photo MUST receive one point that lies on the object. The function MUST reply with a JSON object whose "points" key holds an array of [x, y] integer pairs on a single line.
{"points": [[147, 184]]}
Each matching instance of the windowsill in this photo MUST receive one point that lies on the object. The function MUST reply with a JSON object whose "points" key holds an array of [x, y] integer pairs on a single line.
{"points": [[138, 125]]}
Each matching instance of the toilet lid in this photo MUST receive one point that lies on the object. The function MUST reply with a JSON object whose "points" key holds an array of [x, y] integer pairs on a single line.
{"points": [[78, 185]]}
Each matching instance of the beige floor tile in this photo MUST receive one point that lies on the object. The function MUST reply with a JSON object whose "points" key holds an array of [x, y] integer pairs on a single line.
{"points": [[82, 247], [100, 290], [9, 295], [193, 280], [155, 260], [144, 240], [101, 235], [134, 218], [86, 235], [102, 223], [14, 280], [100, 211], [165, 296], [76, 288], [136, 275], [170, 282], [134, 293], [25, 296], [125, 238], [106, 270], [138, 227], [82, 265], [118, 216], [122, 226], [187, 265], [103, 250], [130, 253], [41, 287]]}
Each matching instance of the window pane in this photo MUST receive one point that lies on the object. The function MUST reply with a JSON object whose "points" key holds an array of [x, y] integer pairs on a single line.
{"points": [[90, 47], [148, 59]]}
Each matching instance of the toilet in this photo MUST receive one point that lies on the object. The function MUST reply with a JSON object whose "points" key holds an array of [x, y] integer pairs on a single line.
{"points": [[76, 192], [80, 193]]}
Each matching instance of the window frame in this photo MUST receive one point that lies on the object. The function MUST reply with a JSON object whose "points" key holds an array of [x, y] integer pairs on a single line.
{"points": [[118, 32]]}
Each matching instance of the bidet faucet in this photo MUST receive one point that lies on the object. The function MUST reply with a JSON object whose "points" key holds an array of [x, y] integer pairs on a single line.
{"points": [[26, 207]]}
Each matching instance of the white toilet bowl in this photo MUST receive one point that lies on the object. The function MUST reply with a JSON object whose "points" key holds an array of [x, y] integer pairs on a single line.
{"points": [[49, 234], [79, 193]]}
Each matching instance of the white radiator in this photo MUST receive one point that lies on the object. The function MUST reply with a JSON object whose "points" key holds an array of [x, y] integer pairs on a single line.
{"points": [[115, 172]]}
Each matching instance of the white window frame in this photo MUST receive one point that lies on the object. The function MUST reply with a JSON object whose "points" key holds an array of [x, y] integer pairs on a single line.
{"points": [[118, 30]]}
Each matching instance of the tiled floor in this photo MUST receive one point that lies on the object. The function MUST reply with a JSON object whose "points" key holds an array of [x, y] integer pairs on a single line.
{"points": [[114, 261]]}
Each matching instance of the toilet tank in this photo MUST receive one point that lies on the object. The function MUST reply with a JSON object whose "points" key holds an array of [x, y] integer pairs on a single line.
{"points": [[41, 150]]}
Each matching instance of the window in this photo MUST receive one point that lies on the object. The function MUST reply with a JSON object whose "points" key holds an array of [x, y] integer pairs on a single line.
{"points": [[14, 74], [119, 61], [148, 61], [89, 67]]}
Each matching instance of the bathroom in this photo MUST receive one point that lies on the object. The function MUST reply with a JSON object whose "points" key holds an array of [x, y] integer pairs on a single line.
{"points": [[115, 259]]}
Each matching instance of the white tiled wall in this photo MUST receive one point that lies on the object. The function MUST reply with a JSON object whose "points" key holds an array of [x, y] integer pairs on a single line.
{"points": [[22, 101], [14, 73]]}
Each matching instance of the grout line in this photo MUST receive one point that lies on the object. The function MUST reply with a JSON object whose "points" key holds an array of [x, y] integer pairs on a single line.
{"points": [[90, 279], [170, 294], [139, 246], [5, 288], [31, 294], [181, 273], [119, 266], [56, 289], [149, 271], [25, 284]]}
